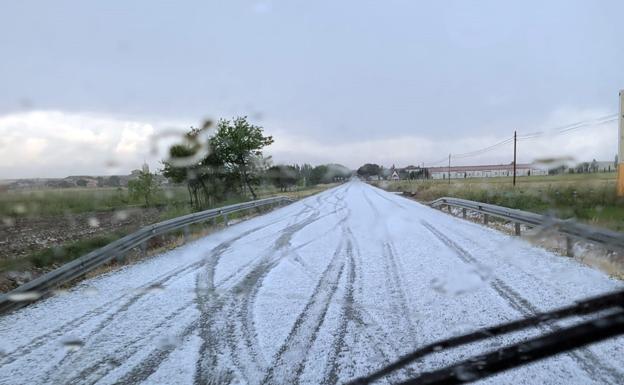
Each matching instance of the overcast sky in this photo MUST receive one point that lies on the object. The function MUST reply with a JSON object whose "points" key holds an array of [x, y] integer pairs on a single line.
{"points": [[85, 85]]}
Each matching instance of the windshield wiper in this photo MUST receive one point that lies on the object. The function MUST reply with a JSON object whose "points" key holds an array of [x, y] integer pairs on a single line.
{"points": [[558, 341]]}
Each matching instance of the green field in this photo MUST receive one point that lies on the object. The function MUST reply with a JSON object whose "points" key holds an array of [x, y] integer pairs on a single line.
{"points": [[590, 198]]}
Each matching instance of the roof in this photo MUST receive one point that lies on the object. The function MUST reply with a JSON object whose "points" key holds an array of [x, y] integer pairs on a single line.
{"points": [[493, 167]]}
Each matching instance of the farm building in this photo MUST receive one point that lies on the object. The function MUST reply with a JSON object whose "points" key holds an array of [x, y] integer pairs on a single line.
{"points": [[487, 171]]}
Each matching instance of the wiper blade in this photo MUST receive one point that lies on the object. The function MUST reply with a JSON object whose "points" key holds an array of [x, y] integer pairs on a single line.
{"points": [[541, 347]]}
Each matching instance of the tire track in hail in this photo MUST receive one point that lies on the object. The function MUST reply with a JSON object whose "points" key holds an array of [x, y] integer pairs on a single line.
{"points": [[244, 293], [102, 366], [288, 363], [208, 302], [398, 298], [346, 317], [51, 336], [585, 359], [151, 363], [71, 358], [216, 252], [237, 304]]}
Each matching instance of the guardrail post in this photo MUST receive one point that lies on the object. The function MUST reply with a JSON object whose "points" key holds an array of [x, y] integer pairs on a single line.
{"points": [[464, 213], [143, 247], [486, 219], [569, 247], [214, 221], [448, 208], [517, 228], [119, 258], [225, 220], [187, 233]]}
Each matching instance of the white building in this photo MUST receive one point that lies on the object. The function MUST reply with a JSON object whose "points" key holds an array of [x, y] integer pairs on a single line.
{"points": [[487, 171]]}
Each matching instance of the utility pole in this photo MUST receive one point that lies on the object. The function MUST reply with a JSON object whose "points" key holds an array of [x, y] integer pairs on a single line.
{"points": [[514, 162], [620, 171], [449, 169]]}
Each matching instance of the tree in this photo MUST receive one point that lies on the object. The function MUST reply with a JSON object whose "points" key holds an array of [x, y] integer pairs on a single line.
{"points": [[239, 145], [328, 173], [282, 177], [144, 187], [368, 170], [318, 174], [114, 181], [81, 183]]}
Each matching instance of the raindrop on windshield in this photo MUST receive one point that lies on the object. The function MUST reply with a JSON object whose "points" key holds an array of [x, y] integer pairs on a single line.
{"points": [[168, 342], [19, 209], [72, 344], [466, 374], [91, 291], [24, 296], [121, 215]]}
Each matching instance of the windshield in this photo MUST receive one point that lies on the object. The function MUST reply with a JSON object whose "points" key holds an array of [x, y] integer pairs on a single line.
{"points": [[272, 192]]}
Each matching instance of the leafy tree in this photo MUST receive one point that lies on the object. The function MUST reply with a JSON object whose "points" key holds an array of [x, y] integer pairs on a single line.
{"points": [[368, 170], [328, 173], [144, 187], [81, 183], [114, 181], [318, 174], [239, 145], [282, 177]]}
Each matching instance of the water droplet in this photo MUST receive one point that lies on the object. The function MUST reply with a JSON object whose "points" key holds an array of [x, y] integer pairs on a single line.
{"points": [[60, 291], [72, 344], [121, 215], [24, 296], [168, 342], [8, 221], [19, 208], [94, 222], [154, 288], [91, 291], [169, 194], [601, 323], [464, 373], [437, 348]]}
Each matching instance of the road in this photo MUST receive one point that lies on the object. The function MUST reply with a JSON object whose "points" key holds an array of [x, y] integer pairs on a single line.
{"points": [[320, 291]]}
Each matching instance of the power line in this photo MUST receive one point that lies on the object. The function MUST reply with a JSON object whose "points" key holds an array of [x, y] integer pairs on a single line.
{"points": [[482, 150], [554, 131], [429, 164], [570, 127]]}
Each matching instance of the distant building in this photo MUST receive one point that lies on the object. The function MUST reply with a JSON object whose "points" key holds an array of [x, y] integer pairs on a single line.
{"points": [[605, 166], [486, 171]]}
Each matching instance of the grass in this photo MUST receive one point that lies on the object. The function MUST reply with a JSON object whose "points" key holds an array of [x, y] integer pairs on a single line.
{"points": [[59, 254], [590, 198], [50, 202], [173, 203]]}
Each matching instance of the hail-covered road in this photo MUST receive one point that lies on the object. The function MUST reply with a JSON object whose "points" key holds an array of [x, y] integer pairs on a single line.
{"points": [[323, 290]]}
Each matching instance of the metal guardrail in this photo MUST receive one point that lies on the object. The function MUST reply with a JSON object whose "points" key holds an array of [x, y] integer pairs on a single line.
{"points": [[42, 285], [611, 240]]}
